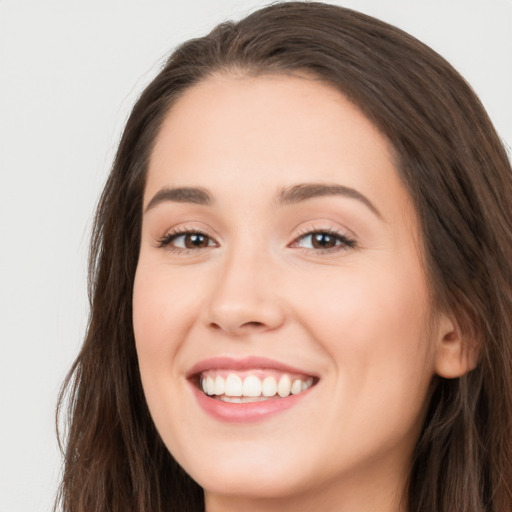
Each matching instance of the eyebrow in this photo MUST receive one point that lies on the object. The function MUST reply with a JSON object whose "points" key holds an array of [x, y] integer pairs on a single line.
{"points": [[305, 191], [193, 195], [290, 195]]}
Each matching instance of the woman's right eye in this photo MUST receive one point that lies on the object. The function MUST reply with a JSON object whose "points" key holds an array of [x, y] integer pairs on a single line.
{"points": [[187, 240]]}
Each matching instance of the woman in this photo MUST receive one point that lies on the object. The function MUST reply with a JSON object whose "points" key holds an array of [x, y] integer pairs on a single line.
{"points": [[301, 283]]}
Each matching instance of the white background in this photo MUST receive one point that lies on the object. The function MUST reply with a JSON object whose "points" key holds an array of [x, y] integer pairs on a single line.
{"points": [[69, 73]]}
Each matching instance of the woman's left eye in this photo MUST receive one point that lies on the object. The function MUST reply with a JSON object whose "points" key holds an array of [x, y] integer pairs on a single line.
{"points": [[324, 240]]}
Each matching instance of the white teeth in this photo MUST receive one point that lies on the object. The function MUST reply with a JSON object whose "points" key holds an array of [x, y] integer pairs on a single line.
{"points": [[269, 387], [305, 384], [210, 386], [296, 387], [219, 385], [234, 389], [284, 387], [252, 386], [233, 385]]}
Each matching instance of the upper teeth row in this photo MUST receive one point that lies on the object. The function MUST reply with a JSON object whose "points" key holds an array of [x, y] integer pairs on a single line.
{"points": [[252, 386]]}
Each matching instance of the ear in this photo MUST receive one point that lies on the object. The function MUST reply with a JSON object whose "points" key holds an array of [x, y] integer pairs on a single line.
{"points": [[455, 356]]}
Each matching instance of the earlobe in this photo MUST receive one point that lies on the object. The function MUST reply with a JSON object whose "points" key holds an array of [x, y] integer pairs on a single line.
{"points": [[455, 356]]}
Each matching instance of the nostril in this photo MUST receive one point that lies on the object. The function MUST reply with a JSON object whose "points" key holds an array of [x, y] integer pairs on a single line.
{"points": [[252, 324]]}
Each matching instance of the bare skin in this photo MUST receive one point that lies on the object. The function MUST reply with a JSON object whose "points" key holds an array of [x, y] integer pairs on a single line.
{"points": [[257, 262]]}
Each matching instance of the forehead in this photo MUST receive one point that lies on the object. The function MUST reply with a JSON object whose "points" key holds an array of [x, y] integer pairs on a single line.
{"points": [[265, 132]]}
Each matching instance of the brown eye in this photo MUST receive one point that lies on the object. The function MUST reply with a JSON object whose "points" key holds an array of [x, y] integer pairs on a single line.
{"points": [[188, 240], [323, 240], [195, 241]]}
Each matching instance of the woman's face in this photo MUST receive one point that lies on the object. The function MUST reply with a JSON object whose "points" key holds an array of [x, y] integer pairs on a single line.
{"points": [[280, 256]]}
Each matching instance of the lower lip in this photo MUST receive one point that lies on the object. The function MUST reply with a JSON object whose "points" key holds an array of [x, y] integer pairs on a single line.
{"points": [[245, 412]]}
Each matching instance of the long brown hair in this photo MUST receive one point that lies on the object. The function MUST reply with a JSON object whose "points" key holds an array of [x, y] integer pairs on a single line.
{"points": [[458, 174]]}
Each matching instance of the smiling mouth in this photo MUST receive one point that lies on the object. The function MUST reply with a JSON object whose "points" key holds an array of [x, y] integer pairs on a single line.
{"points": [[252, 385]]}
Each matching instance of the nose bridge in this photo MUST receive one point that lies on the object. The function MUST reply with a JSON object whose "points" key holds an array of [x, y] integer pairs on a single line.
{"points": [[244, 296]]}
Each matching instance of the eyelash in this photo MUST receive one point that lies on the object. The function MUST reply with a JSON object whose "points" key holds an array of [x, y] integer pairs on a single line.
{"points": [[342, 241], [166, 241]]}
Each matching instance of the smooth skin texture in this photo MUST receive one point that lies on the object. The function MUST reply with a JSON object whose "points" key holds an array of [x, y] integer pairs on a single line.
{"points": [[352, 309]]}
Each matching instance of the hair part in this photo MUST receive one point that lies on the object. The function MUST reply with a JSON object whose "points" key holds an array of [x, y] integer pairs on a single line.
{"points": [[458, 175]]}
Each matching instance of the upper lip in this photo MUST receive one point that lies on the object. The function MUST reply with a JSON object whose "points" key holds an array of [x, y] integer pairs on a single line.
{"points": [[246, 363]]}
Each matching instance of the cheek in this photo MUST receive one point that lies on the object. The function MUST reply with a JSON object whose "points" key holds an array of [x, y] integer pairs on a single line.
{"points": [[373, 322], [160, 323], [381, 306], [162, 316], [163, 309]]}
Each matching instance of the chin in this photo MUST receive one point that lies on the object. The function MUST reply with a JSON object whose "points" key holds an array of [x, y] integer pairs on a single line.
{"points": [[266, 474], [270, 483]]}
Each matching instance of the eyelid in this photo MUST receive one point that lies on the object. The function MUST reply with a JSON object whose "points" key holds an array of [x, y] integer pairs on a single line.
{"points": [[348, 240], [164, 241]]}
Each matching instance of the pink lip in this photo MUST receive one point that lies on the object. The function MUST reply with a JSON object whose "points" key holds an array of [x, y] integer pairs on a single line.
{"points": [[243, 412], [246, 412], [247, 363]]}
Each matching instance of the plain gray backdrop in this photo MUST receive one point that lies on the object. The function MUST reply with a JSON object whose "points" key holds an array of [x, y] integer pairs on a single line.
{"points": [[69, 73]]}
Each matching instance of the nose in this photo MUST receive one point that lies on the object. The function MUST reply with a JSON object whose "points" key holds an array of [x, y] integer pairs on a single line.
{"points": [[244, 297]]}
